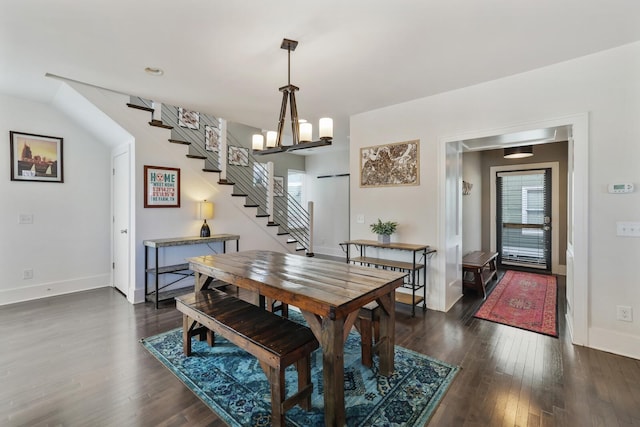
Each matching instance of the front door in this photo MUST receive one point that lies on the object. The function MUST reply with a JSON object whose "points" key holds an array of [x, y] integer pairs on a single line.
{"points": [[524, 218]]}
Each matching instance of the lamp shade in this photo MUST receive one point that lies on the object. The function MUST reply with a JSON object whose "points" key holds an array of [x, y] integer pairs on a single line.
{"points": [[326, 128], [518, 152], [257, 142], [205, 210], [306, 130], [272, 138]]}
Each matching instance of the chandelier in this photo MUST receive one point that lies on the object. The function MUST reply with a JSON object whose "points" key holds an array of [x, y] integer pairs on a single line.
{"points": [[301, 130]]}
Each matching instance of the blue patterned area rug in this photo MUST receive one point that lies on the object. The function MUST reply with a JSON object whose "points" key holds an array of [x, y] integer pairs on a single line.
{"points": [[231, 382]]}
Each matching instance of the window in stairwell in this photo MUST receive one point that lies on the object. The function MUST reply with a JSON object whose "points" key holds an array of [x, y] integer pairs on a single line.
{"points": [[295, 186]]}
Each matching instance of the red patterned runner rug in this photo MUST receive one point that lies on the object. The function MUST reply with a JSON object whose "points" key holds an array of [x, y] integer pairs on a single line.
{"points": [[524, 300]]}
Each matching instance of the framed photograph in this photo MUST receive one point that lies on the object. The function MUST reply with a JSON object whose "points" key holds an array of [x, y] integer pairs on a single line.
{"points": [[161, 187], [238, 156], [35, 157], [188, 119], [278, 186], [211, 140], [390, 165]]}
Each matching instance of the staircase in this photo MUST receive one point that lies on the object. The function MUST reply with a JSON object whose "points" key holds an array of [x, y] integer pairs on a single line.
{"points": [[207, 139]]}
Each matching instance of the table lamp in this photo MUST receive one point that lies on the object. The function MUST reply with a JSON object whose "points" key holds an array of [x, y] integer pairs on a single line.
{"points": [[205, 212]]}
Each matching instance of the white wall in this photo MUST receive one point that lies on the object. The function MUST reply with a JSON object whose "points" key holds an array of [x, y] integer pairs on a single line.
{"points": [[605, 85], [330, 196], [67, 246], [472, 203]]}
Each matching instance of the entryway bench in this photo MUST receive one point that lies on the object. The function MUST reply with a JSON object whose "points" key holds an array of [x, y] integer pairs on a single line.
{"points": [[480, 266], [275, 341]]}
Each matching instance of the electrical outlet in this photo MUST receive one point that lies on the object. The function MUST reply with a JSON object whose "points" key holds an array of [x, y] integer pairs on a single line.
{"points": [[360, 219], [624, 313], [628, 229], [27, 274]]}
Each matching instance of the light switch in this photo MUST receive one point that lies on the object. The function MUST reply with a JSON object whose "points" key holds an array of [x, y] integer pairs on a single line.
{"points": [[360, 219], [24, 218]]}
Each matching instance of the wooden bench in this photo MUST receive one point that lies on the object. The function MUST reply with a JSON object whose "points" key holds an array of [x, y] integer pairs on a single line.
{"points": [[276, 342], [369, 327], [481, 266]]}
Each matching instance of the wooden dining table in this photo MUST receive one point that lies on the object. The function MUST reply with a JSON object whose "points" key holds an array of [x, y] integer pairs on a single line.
{"points": [[328, 293]]}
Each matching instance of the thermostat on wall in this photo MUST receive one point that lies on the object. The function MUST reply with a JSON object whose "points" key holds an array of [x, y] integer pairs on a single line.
{"points": [[620, 188]]}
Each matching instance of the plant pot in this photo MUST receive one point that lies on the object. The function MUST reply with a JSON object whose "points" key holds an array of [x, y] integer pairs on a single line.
{"points": [[384, 238]]}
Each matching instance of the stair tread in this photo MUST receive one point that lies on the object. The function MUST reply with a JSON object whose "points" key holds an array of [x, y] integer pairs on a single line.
{"points": [[179, 141], [140, 107], [159, 124]]}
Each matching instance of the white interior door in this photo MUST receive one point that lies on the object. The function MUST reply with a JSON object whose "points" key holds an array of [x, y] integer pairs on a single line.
{"points": [[453, 224], [121, 222]]}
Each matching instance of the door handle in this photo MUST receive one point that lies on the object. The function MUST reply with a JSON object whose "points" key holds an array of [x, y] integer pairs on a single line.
{"points": [[124, 231]]}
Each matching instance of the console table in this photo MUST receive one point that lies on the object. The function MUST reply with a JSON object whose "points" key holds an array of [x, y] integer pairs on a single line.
{"points": [[413, 267], [181, 270]]}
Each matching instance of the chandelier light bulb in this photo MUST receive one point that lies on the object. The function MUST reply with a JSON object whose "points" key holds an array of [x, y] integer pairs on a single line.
{"points": [[306, 131], [257, 142], [272, 138], [326, 128]]}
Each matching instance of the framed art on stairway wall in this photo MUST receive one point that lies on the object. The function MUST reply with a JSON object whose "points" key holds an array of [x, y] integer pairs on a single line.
{"points": [[161, 187]]}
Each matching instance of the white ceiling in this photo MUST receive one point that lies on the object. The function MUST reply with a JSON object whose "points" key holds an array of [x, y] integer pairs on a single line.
{"points": [[224, 57]]}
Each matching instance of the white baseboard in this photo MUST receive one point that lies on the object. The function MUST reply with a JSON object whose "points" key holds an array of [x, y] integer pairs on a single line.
{"points": [[615, 342], [325, 250], [138, 296], [458, 298], [44, 290]]}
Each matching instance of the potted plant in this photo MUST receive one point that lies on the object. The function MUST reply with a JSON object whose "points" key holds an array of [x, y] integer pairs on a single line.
{"points": [[384, 230]]}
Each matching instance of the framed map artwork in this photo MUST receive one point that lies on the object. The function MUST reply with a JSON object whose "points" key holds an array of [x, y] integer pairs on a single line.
{"points": [[389, 165]]}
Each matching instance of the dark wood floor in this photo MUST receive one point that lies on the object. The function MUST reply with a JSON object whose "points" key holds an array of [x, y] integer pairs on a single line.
{"points": [[75, 360]]}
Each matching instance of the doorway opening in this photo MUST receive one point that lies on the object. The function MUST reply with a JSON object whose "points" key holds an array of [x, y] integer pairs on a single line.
{"points": [[449, 289]]}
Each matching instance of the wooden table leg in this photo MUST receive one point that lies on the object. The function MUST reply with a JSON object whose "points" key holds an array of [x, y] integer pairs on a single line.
{"points": [[387, 333], [330, 335], [333, 371]]}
